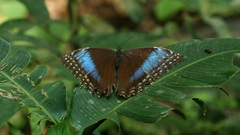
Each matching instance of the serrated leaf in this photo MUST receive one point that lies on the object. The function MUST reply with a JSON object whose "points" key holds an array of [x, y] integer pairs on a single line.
{"points": [[51, 99]]}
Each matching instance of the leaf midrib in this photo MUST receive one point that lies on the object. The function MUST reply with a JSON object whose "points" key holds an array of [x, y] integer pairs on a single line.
{"points": [[29, 95]]}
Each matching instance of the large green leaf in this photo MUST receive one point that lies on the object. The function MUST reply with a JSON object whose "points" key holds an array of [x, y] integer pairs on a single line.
{"points": [[50, 100], [207, 63]]}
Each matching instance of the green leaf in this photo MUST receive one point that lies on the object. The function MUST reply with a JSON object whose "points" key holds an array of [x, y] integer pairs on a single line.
{"points": [[200, 68], [34, 7], [87, 110], [143, 108], [5, 48], [201, 104], [62, 128], [37, 122], [50, 100], [162, 92], [233, 83], [179, 113]]}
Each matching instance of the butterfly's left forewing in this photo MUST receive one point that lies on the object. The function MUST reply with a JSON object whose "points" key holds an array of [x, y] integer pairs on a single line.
{"points": [[141, 66], [94, 67]]}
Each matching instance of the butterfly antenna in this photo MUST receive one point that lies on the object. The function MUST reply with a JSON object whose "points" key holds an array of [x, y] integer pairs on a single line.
{"points": [[114, 41], [125, 41]]}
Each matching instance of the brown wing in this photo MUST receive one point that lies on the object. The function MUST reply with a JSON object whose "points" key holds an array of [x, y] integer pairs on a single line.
{"points": [[141, 66], [94, 67]]}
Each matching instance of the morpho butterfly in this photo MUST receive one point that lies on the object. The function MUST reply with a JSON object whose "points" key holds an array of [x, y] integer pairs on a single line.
{"points": [[125, 71]]}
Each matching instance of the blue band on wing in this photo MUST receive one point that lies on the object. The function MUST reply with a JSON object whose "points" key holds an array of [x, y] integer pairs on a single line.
{"points": [[137, 74], [86, 62], [154, 59]]}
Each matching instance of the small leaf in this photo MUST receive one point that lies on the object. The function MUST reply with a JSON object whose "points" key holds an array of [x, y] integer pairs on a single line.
{"points": [[179, 113], [201, 104], [222, 89]]}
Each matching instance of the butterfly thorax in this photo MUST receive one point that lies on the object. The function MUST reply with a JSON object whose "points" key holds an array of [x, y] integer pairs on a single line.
{"points": [[117, 57]]}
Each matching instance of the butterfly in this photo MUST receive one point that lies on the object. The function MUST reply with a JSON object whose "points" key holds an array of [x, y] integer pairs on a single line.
{"points": [[128, 71]]}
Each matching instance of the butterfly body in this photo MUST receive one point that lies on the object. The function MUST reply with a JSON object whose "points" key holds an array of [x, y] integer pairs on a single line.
{"points": [[128, 72]]}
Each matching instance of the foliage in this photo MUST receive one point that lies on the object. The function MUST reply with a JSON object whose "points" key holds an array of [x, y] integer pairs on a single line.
{"points": [[37, 40]]}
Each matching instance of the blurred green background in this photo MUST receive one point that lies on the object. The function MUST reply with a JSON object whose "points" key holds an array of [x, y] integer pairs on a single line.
{"points": [[61, 26]]}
